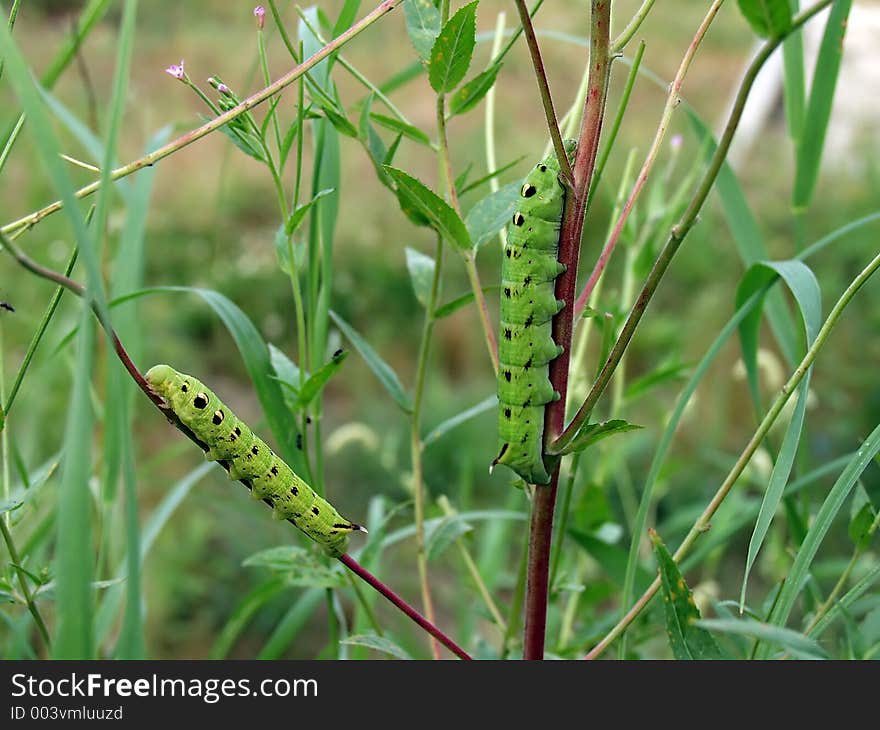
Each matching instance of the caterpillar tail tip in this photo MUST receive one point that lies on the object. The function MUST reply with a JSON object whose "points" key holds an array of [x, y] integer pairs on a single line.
{"points": [[359, 528]]}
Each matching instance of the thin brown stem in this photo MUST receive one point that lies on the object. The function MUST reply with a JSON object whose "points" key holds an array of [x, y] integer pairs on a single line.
{"points": [[544, 497], [544, 90]]}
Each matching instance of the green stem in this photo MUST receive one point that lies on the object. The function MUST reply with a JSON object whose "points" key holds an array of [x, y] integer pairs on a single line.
{"points": [[23, 582], [365, 604], [703, 521], [632, 27]]}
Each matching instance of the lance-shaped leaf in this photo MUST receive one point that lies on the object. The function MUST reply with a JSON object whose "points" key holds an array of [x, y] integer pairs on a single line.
{"points": [[492, 213], [440, 215], [469, 95], [687, 640], [422, 25], [768, 18], [421, 274], [593, 432], [452, 51]]}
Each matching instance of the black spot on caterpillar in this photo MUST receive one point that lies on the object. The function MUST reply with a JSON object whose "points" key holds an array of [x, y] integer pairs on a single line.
{"points": [[250, 460], [7, 306], [528, 304]]}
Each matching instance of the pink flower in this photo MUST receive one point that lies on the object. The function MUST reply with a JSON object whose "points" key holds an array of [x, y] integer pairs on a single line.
{"points": [[176, 71], [260, 15]]}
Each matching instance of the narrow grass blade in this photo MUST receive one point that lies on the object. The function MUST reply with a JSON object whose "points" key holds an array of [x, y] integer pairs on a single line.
{"points": [[803, 285], [812, 142], [291, 624], [799, 571], [441, 429], [798, 645], [74, 638], [380, 368]]}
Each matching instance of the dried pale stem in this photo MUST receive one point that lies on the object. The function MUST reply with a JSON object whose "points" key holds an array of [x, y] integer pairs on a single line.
{"points": [[196, 134], [672, 101], [544, 497]]}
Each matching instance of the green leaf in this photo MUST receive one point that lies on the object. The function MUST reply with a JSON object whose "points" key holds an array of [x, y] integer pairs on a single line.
{"points": [[316, 382], [687, 640], [422, 25], [379, 643], [339, 121], [407, 130], [421, 274], [611, 558], [825, 74], [2, 418], [452, 51], [443, 534], [469, 95], [380, 368], [661, 374], [292, 623], [454, 305], [593, 432], [437, 211], [492, 213], [295, 219], [446, 426], [803, 285], [298, 566], [796, 644], [768, 18], [860, 524]]}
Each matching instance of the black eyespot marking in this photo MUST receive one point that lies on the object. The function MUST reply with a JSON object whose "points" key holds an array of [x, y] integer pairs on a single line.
{"points": [[316, 511], [507, 375], [274, 471], [237, 431], [338, 353], [308, 419], [299, 441], [508, 252], [255, 450], [507, 292], [294, 491], [184, 388], [527, 280], [542, 168], [518, 219], [200, 401], [529, 320], [219, 415], [507, 413], [528, 190], [528, 364], [508, 334]]}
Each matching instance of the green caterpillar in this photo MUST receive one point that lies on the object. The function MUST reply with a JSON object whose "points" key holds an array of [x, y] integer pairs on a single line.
{"points": [[528, 303], [250, 460]]}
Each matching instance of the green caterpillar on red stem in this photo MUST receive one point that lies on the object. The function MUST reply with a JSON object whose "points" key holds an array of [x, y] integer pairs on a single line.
{"points": [[529, 269], [250, 460]]}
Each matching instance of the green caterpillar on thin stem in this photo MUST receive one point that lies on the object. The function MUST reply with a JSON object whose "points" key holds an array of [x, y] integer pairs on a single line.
{"points": [[529, 269], [249, 460]]}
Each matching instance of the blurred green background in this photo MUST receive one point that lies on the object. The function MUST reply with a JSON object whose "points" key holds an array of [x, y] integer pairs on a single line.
{"points": [[212, 223]]}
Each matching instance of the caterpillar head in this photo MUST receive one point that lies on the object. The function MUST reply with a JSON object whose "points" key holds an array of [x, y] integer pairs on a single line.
{"points": [[182, 392]]}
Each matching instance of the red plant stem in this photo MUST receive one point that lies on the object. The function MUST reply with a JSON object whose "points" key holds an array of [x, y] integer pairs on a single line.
{"points": [[365, 575], [544, 497], [78, 289]]}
